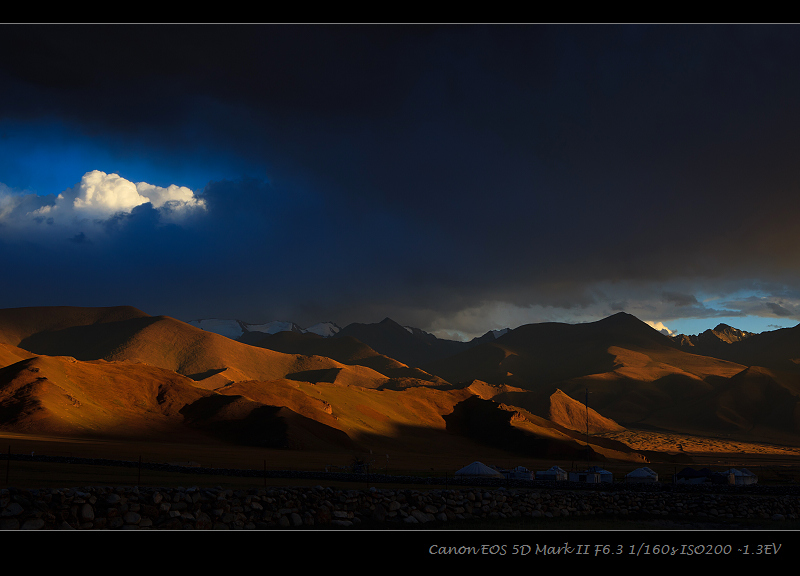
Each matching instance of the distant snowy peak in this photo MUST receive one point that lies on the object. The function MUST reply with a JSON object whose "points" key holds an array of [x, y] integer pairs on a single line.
{"points": [[428, 336], [272, 327], [234, 329], [326, 329], [722, 334]]}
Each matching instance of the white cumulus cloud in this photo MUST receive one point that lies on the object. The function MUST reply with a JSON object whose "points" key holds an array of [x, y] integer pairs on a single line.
{"points": [[176, 197], [95, 199], [103, 194]]}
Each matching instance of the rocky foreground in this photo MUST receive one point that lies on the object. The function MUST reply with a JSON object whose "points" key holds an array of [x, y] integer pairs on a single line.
{"points": [[193, 508]]}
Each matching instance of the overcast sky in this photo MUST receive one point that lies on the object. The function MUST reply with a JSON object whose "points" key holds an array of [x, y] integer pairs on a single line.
{"points": [[454, 178]]}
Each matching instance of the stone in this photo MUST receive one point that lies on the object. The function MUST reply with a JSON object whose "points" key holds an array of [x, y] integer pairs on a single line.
{"points": [[343, 523], [132, 518], [33, 524], [420, 516], [203, 522], [12, 509]]}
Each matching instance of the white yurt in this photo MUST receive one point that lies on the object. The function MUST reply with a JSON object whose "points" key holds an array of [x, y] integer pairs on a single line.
{"points": [[479, 469], [554, 473], [643, 474], [741, 477]]}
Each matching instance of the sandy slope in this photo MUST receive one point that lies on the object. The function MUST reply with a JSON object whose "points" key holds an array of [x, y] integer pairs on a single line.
{"points": [[126, 334], [52, 395], [11, 354], [690, 444], [57, 395]]}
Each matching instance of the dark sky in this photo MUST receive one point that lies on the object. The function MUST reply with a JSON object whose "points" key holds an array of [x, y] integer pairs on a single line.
{"points": [[456, 178]]}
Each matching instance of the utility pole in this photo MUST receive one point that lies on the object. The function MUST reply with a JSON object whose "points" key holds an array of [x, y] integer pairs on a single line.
{"points": [[587, 428]]}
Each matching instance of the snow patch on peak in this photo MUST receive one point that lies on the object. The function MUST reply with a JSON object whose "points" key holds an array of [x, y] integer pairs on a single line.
{"points": [[234, 329], [273, 327], [325, 329]]}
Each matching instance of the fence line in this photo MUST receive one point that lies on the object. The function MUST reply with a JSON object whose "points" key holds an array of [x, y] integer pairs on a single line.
{"points": [[444, 478]]}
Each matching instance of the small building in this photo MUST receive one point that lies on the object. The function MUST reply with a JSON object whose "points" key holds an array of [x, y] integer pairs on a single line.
{"points": [[691, 476], [643, 474], [587, 477], [519, 473], [605, 475], [479, 469], [555, 474]]}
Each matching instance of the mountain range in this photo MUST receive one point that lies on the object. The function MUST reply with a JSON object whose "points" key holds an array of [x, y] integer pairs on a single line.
{"points": [[119, 372]]}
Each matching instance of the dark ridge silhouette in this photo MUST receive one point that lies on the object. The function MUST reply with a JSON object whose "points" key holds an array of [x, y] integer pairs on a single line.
{"points": [[412, 347], [712, 342], [778, 350], [550, 352]]}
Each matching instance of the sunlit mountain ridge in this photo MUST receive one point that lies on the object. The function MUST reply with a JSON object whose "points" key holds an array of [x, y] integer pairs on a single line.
{"points": [[118, 371]]}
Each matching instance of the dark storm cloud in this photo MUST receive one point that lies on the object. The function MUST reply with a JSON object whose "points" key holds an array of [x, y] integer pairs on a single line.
{"points": [[777, 309], [679, 299], [424, 170]]}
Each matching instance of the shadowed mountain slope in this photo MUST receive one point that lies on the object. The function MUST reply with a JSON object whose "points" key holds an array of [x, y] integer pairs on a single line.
{"points": [[61, 395], [347, 350], [17, 324], [487, 422], [130, 373], [757, 402], [126, 400], [410, 346], [55, 395], [778, 350], [538, 354], [637, 377]]}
